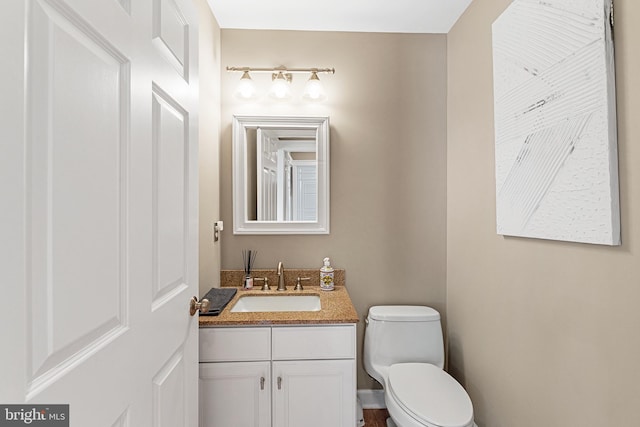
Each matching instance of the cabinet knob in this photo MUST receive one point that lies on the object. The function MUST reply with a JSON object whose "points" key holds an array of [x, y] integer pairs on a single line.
{"points": [[261, 383], [279, 383]]}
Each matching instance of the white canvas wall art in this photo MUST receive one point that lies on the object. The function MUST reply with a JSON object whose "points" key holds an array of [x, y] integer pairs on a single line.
{"points": [[555, 121]]}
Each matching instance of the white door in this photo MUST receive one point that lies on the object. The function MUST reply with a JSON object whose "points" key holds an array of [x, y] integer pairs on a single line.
{"points": [[267, 176], [98, 226]]}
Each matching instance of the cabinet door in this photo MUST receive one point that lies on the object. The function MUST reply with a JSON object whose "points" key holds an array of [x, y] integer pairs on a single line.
{"points": [[314, 393], [235, 394]]}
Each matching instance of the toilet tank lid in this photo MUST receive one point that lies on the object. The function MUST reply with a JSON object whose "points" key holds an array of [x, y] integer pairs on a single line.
{"points": [[403, 313]]}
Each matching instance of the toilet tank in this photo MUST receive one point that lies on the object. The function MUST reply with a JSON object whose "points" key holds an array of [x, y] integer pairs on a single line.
{"points": [[401, 334]]}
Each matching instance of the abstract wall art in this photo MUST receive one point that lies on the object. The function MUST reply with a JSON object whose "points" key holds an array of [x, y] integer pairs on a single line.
{"points": [[555, 121]]}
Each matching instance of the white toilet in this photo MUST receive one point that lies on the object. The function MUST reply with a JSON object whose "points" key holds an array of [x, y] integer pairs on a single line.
{"points": [[404, 351]]}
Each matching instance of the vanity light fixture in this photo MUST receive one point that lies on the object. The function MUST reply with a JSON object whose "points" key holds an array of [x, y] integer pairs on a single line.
{"points": [[281, 82]]}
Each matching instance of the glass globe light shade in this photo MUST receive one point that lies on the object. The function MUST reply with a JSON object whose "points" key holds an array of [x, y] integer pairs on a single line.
{"points": [[314, 91], [280, 88], [246, 87]]}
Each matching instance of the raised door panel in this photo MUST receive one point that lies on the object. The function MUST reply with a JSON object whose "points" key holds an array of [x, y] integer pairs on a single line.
{"points": [[170, 195], [235, 394], [77, 147], [169, 397], [171, 35], [314, 393]]}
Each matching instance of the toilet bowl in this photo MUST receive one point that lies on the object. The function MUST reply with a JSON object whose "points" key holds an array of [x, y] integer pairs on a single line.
{"points": [[404, 352]]}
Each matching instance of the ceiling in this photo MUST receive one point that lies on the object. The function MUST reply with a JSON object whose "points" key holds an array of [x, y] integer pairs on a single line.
{"points": [[389, 16]]}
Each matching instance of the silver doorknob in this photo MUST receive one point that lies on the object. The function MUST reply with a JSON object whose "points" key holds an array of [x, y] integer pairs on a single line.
{"points": [[202, 306]]}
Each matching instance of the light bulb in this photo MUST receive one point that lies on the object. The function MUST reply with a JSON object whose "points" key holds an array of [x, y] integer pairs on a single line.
{"points": [[314, 91], [280, 88], [246, 87]]}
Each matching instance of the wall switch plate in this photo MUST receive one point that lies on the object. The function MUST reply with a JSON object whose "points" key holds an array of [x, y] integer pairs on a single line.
{"points": [[218, 226]]}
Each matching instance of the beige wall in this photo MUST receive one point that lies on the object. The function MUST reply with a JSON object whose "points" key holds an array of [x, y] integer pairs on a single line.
{"points": [[209, 149], [388, 147], [541, 333]]}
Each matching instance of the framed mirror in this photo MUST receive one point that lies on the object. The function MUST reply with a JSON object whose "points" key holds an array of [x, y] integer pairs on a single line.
{"points": [[280, 175]]}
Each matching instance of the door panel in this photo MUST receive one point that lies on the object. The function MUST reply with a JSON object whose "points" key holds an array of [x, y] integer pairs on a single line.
{"points": [[169, 399], [171, 35], [66, 214], [170, 228]]}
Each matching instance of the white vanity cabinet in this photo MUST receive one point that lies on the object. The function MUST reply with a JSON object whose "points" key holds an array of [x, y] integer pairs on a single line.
{"points": [[278, 376]]}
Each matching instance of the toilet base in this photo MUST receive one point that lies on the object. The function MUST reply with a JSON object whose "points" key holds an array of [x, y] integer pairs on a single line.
{"points": [[390, 423]]}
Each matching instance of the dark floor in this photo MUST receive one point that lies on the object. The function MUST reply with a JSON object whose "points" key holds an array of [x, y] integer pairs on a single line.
{"points": [[375, 417]]}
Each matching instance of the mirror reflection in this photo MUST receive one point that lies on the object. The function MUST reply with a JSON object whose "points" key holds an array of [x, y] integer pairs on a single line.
{"points": [[281, 175], [283, 162]]}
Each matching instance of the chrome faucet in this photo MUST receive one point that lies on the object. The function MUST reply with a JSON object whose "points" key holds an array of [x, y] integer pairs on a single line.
{"points": [[280, 271]]}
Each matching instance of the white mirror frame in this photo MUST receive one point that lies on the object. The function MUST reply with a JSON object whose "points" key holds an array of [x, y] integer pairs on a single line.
{"points": [[241, 224]]}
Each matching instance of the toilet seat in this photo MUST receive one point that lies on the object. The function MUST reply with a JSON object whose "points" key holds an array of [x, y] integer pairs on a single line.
{"points": [[429, 395]]}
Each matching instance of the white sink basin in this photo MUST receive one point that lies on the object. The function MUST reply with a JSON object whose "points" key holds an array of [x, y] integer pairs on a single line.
{"points": [[262, 303]]}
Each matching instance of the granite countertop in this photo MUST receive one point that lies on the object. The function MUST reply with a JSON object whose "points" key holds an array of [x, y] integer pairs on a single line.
{"points": [[336, 308]]}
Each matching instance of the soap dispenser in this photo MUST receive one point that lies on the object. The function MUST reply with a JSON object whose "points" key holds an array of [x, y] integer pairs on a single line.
{"points": [[326, 276]]}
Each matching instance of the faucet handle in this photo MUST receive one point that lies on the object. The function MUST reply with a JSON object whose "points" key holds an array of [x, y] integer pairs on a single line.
{"points": [[298, 286], [265, 287]]}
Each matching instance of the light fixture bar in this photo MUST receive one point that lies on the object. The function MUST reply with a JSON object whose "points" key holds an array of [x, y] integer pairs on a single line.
{"points": [[281, 69]]}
